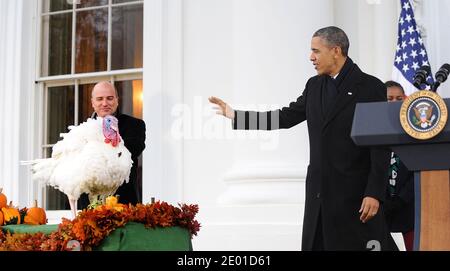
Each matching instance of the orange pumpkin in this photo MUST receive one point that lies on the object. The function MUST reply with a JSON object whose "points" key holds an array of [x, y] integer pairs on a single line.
{"points": [[3, 199], [11, 215], [112, 202], [36, 215], [1, 218]]}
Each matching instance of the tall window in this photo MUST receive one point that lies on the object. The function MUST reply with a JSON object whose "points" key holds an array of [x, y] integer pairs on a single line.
{"points": [[84, 42]]}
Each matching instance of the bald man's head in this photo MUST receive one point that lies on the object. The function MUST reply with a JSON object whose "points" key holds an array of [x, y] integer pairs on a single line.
{"points": [[104, 99]]}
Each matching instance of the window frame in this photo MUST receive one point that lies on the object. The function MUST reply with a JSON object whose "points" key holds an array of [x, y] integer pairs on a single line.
{"points": [[43, 83], [74, 11]]}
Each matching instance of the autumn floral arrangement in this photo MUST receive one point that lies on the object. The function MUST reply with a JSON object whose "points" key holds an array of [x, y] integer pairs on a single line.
{"points": [[91, 226]]}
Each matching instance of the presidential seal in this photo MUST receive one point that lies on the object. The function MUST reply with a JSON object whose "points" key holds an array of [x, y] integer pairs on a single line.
{"points": [[423, 114]]}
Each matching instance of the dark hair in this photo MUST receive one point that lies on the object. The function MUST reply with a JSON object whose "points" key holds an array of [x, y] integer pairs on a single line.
{"points": [[334, 36], [391, 83]]}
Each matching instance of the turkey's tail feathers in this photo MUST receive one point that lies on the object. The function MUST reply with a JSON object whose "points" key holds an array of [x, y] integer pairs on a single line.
{"points": [[41, 169], [30, 162]]}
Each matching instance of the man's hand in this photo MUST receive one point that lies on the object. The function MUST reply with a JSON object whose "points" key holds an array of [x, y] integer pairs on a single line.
{"points": [[222, 108], [369, 208]]}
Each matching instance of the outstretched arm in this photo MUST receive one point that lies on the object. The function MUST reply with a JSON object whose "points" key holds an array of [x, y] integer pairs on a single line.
{"points": [[270, 120]]}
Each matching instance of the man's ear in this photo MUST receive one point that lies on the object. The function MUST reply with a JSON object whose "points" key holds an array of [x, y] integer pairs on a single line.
{"points": [[337, 51]]}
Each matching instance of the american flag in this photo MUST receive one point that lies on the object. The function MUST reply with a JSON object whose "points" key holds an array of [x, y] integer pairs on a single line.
{"points": [[410, 53]]}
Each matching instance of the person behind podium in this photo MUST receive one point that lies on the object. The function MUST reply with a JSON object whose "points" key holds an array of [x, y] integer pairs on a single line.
{"points": [[399, 204], [345, 183]]}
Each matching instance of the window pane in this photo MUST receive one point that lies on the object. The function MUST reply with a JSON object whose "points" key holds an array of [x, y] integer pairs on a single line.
{"points": [[91, 40], [130, 97], [60, 112], [57, 5], [91, 3], [127, 32], [56, 55], [86, 109]]}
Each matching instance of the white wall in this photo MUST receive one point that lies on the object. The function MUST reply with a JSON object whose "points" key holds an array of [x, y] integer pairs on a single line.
{"points": [[208, 66]]}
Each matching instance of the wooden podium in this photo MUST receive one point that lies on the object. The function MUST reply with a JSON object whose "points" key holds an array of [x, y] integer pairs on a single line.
{"points": [[378, 124]]}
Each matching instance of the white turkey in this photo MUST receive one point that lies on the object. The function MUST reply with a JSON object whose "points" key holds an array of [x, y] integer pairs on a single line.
{"points": [[91, 158]]}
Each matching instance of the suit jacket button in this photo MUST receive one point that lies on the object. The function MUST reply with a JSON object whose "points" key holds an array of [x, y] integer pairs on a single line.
{"points": [[318, 195]]}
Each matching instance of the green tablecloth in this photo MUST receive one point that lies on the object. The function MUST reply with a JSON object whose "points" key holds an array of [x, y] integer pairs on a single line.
{"points": [[132, 237]]}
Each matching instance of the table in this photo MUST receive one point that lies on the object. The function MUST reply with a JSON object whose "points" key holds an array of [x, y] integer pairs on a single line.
{"points": [[132, 237]]}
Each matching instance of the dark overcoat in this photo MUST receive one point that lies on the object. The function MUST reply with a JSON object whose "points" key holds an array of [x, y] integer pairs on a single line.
{"points": [[340, 174], [132, 131]]}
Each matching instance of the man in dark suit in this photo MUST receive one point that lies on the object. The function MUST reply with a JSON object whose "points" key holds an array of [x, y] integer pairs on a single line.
{"points": [[399, 204], [105, 101], [344, 183]]}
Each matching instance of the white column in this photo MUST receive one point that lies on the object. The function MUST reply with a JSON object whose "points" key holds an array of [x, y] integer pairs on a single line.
{"points": [[269, 71], [9, 101], [16, 86], [163, 90], [385, 30], [371, 26], [270, 67], [152, 162]]}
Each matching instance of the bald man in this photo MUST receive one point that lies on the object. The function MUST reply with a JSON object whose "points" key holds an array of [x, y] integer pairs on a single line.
{"points": [[105, 100]]}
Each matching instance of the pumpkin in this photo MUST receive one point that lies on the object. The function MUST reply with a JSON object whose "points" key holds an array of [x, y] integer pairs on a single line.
{"points": [[112, 202], [11, 215], [36, 215], [3, 199], [1, 218]]}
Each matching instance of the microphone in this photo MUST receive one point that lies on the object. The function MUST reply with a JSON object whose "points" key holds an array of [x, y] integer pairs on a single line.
{"points": [[441, 76], [421, 76]]}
